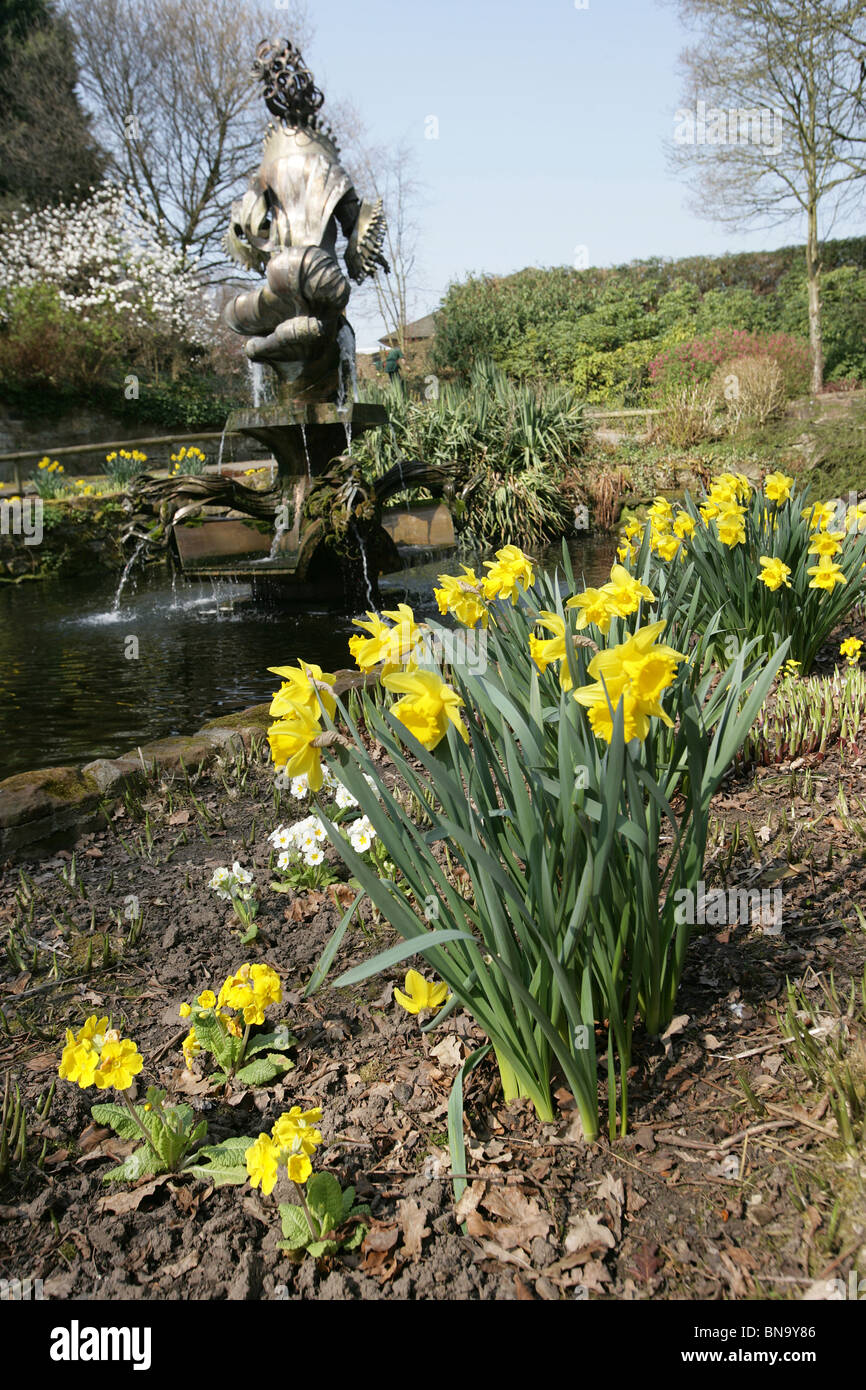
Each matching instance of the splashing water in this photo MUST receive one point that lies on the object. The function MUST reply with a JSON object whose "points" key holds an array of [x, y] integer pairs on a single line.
{"points": [[127, 570], [222, 446], [282, 529]]}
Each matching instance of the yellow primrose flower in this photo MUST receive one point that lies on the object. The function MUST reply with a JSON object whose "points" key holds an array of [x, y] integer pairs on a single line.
{"points": [[303, 686], [420, 993], [427, 706], [298, 1167], [184, 1010], [462, 597], [777, 487], [190, 1047], [635, 672], [684, 526], [291, 741], [250, 990], [826, 542], [207, 999], [262, 1160], [79, 1061], [297, 1131], [119, 1062], [791, 667], [851, 648], [826, 574], [774, 572], [511, 569]]}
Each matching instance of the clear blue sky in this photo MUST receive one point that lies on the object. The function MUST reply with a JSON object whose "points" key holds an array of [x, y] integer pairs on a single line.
{"points": [[552, 121]]}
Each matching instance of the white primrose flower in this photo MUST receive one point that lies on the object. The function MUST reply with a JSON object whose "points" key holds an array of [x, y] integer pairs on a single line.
{"points": [[300, 787], [281, 838], [284, 862], [313, 856], [241, 875], [344, 798]]}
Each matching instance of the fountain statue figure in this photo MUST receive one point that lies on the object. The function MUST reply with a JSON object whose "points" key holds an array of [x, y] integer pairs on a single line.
{"points": [[286, 226]]}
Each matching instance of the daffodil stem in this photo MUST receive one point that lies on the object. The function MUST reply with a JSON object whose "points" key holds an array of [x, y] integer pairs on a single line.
{"points": [[134, 1114], [307, 1213]]}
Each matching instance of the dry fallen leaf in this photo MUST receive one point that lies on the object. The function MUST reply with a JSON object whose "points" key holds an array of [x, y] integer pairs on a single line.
{"points": [[448, 1052], [524, 1219], [587, 1235], [123, 1202], [411, 1216], [381, 1237]]}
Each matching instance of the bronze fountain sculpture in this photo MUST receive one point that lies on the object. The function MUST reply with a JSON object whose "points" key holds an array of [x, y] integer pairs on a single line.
{"points": [[327, 521]]}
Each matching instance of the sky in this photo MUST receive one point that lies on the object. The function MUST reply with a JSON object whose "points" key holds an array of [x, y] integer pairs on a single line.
{"points": [[549, 121]]}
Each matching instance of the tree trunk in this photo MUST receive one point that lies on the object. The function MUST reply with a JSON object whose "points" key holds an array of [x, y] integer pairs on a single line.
{"points": [[813, 272]]}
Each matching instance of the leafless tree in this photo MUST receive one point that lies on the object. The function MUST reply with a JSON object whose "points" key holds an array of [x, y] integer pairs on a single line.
{"points": [[175, 105], [774, 124], [391, 175]]}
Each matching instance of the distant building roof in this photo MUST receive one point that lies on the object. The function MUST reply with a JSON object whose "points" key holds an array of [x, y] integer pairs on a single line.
{"points": [[421, 328]]}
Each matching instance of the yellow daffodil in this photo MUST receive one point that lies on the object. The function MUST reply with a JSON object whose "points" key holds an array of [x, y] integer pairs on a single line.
{"points": [[624, 592], [594, 607], [291, 741], [774, 572], [509, 572], [636, 672], [731, 527], [826, 574], [777, 487], [420, 993], [427, 707], [791, 667], [544, 651], [303, 686], [820, 515], [461, 595], [684, 526], [391, 646], [665, 545], [826, 542], [851, 648]]}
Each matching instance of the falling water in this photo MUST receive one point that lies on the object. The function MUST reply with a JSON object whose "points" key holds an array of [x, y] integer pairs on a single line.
{"points": [[127, 570], [282, 528], [306, 452], [222, 446], [348, 377], [256, 376]]}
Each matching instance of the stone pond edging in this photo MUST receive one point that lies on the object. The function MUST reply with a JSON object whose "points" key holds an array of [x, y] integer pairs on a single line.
{"points": [[47, 810], [51, 808]]}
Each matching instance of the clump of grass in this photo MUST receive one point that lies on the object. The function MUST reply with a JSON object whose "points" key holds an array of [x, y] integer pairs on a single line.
{"points": [[806, 715]]}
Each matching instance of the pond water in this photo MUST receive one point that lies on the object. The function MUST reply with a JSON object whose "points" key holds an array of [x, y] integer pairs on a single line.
{"points": [[81, 680]]}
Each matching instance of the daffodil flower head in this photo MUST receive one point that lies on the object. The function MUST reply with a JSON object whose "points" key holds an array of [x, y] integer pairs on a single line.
{"points": [[594, 608], [303, 687], [636, 673], [851, 648], [292, 743], [461, 596], [427, 707], [420, 994], [774, 572], [509, 572], [777, 487], [826, 574]]}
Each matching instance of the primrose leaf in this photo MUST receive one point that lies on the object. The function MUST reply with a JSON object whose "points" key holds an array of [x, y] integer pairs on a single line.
{"points": [[263, 1069], [296, 1232], [354, 1240], [222, 1163], [118, 1118], [277, 1040], [213, 1037], [325, 1197], [140, 1164], [322, 1247]]}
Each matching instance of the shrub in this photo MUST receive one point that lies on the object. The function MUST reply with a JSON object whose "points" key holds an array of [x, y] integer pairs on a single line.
{"points": [[752, 390], [698, 359], [686, 414]]}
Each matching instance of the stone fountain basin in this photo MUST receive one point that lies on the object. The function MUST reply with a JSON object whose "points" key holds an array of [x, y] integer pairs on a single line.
{"points": [[306, 438]]}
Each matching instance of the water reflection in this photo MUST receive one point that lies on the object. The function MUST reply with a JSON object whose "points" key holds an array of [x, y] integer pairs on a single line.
{"points": [[79, 679]]}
